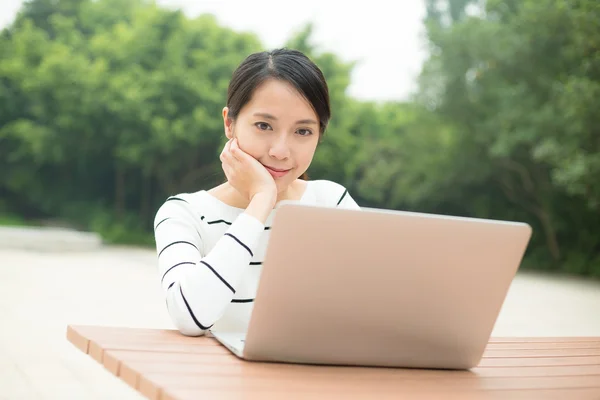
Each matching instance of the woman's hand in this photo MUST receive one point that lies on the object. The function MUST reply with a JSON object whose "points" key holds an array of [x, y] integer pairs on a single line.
{"points": [[246, 174]]}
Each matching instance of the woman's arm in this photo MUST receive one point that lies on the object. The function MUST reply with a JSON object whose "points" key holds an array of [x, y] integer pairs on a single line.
{"points": [[198, 287]]}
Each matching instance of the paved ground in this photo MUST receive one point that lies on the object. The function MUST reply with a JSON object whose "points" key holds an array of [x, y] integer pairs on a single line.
{"points": [[42, 292]]}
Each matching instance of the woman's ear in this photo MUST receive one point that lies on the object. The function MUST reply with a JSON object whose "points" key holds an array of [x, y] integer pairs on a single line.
{"points": [[227, 123]]}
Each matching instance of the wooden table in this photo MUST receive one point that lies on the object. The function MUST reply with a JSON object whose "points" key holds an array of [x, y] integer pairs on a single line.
{"points": [[165, 365]]}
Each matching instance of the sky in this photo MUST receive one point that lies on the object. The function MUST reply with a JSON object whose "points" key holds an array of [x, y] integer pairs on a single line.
{"points": [[385, 38]]}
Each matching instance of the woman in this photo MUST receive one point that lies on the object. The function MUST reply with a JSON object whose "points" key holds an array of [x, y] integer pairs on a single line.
{"points": [[211, 243]]}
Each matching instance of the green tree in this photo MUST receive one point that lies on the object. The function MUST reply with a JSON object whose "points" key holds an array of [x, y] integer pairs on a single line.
{"points": [[101, 122], [507, 80]]}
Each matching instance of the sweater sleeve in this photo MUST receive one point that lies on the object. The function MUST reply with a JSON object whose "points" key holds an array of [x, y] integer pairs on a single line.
{"points": [[198, 286]]}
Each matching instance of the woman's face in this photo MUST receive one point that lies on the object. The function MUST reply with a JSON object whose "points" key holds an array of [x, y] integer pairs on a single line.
{"points": [[279, 128]]}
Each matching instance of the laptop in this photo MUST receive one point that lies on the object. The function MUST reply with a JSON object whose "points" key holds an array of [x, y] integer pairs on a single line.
{"points": [[379, 288]]}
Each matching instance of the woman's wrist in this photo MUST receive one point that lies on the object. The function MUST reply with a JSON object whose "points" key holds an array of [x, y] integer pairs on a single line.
{"points": [[261, 205]]}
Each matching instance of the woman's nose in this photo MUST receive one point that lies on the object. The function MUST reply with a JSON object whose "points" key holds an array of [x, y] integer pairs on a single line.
{"points": [[280, 149]]}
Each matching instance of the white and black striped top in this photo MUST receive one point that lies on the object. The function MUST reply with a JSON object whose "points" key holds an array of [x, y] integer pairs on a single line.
{"points": [[210, 256]]}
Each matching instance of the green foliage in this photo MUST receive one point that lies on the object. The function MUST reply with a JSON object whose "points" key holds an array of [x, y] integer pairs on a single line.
{"points": [[109, 106], [12, 220], [112, 105], [520, 82]]}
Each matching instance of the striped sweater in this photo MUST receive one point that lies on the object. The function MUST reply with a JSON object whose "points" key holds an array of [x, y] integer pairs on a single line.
{"points": [[210, 256]]}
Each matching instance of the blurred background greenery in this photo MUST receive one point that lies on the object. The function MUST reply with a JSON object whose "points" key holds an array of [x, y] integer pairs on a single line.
{"points": [[109, 106]]}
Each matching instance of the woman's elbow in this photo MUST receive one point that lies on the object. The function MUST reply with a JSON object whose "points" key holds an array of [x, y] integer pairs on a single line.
{"points": [[186, 328], [183, 321]]}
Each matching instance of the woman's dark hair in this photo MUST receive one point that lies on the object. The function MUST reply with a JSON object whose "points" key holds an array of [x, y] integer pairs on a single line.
{"points": [[287, 65]]}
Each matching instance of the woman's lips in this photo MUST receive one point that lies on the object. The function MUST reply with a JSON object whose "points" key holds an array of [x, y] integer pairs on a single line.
{"points": [[277, 172]]}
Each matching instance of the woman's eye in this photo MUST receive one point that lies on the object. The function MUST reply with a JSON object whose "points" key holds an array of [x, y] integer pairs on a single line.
{"points": [[263, 126], [304, 132]]}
